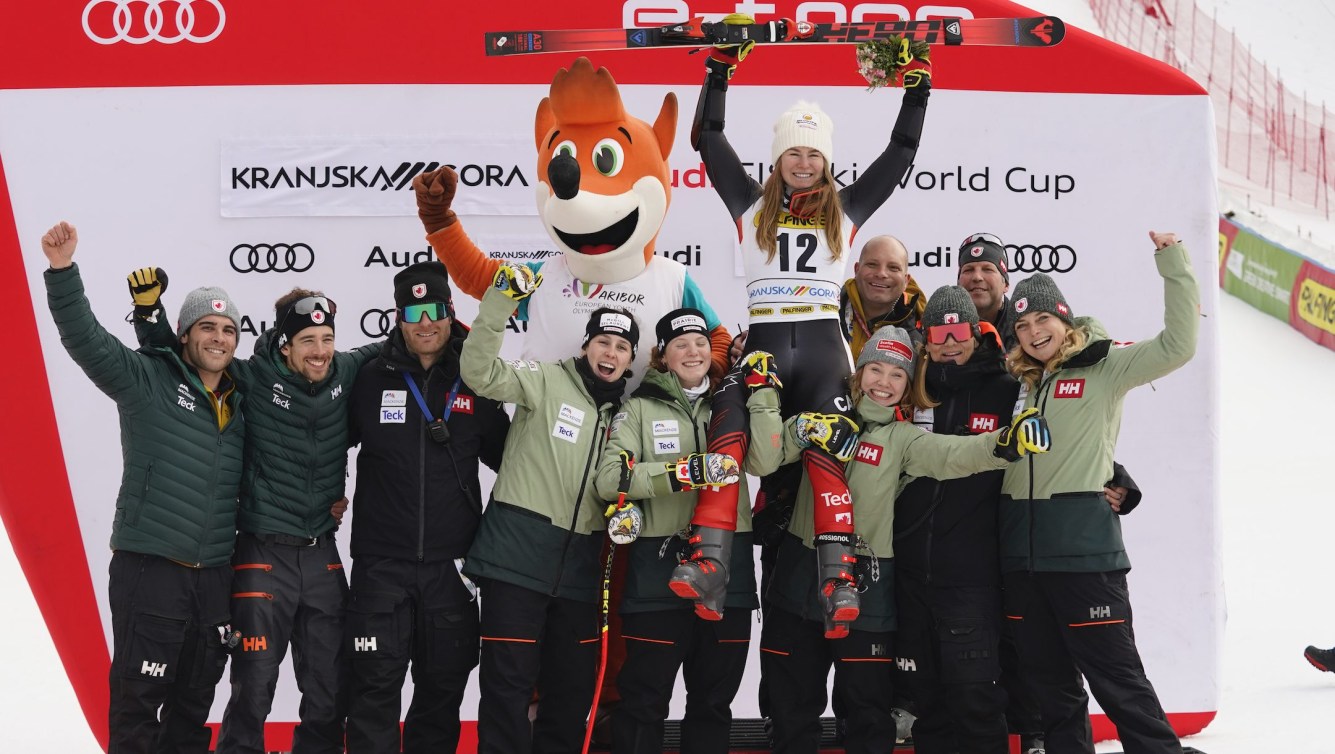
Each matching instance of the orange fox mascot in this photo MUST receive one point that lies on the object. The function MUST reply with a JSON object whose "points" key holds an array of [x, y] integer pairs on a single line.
{"points": [[603, 191]]}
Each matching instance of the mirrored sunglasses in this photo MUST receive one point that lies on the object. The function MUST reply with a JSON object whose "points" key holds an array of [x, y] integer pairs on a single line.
{"points": [[309, 304], [988, 237], [960, 331], [413, 313]]}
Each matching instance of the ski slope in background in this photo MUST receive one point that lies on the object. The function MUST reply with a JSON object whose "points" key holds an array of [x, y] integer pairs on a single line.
{"points": [[1275, 490]]}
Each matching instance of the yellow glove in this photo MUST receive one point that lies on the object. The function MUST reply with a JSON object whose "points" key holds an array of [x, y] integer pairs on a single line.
{"points": [[835, 434], [723, 59], [147, 284], [517, 282], [1028, 433]]}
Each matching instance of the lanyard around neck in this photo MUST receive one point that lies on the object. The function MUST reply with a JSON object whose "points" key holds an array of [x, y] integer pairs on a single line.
{"points": [[421, 402]]}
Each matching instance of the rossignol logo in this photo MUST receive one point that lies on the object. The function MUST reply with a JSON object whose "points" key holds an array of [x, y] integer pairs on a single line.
{"points": [[980, 423], [376, 177], [869, 454], [1069, 389]]}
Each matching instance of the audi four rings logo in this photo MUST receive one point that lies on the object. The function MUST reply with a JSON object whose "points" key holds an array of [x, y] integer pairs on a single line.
{"points": [[142, 21], [1041, 258], [378, 323], [272, 257]]}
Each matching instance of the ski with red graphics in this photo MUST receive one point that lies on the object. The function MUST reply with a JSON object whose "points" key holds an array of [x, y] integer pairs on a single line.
{"points": [[1040, 31]]}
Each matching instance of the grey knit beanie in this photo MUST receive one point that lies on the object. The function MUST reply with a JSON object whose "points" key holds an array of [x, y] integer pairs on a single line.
{"points": [[890, 345], [201, 302], [1038, 293], [949, 305]]}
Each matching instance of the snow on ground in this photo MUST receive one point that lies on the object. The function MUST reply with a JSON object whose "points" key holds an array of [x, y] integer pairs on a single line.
{"points": [[1277, 508]]}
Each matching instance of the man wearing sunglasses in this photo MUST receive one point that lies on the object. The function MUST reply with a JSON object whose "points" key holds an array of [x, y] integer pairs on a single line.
{"points": [[288, 582], [983, 273], [418, 502], [881, 292]]}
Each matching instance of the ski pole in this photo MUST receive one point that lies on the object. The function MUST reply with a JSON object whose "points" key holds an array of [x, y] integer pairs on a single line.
{"points": [[623, 527]]}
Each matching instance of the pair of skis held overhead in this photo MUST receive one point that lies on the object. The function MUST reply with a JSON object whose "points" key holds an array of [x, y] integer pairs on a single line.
{"points": [[1040, 31]]}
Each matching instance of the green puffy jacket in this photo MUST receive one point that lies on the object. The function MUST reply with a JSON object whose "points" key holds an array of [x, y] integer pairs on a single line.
{"points": [[890, 454], [660, 426], [296, 457], [1053, 513], [543, 528], [178, 493]]}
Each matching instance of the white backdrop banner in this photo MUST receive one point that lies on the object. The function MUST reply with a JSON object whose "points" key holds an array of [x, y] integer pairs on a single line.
{"points": [[1069, 154]]}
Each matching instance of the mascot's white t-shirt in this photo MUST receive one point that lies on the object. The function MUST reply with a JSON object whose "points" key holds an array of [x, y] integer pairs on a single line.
{"points": [[802, 282], [560, 309]]}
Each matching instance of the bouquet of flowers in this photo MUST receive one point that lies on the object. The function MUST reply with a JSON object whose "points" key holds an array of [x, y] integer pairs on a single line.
{"points": [[880, 61]]}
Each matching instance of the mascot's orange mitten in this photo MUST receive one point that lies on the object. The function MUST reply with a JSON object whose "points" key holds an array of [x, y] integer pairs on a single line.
{"points": [[603, 191]]}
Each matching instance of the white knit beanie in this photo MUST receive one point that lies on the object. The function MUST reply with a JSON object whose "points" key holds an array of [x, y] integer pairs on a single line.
{"points": [[803, 125]]}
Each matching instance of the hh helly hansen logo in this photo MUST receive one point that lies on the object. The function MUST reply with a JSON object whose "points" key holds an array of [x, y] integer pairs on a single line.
{"points": [[254, 643], [1100, 612], [1069, 389], [363, 644], [335, 393], [153, 669], [980, 423], [869, 454], [906, 665], [463, 404], [878, 650]]}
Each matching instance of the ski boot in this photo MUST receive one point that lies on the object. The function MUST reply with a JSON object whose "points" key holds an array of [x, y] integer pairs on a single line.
{"points": [[702, 576], [838, 589], [1321, 659]]}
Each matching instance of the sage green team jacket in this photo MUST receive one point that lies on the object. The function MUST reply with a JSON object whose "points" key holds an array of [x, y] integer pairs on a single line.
{"points": [[543, 528], [890, 454], [1053, 513], [661, 426], [182, 473]]}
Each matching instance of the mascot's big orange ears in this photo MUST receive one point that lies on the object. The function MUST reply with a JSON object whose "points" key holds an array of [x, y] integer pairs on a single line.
{"points": [[584, 97]]}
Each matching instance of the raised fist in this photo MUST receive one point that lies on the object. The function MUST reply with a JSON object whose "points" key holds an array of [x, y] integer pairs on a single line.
{"points": [[435, 194]]}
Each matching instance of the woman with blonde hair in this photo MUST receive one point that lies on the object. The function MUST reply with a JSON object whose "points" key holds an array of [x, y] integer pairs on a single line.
{"points": [[796, 231], [1063, 561], [796, 654]]}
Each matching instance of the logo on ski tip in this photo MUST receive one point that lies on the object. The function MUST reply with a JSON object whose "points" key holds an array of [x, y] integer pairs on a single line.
{"points": [[953, 27], [1043, 31], [638, 39]]}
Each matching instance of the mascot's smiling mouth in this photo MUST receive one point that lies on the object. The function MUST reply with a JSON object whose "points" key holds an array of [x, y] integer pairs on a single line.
{"points": [[612, 237]]}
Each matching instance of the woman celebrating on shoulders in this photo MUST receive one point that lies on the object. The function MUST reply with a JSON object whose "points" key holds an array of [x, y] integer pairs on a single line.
{"points": [[1061, 543], [795, 653], [795, 232], [662, 427]]}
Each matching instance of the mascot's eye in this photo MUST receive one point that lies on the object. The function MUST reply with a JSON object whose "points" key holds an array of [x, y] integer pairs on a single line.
{"points": [[608, 158], [566, 148]]}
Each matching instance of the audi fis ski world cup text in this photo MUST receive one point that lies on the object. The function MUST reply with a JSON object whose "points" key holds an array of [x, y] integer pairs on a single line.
{"points": [[1024, 257]]}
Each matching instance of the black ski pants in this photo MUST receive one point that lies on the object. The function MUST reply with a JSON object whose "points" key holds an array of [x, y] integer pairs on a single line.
{"points": [[531, 640], [287, 593], [711, 656], [797, 657], [403, 612], [1080, 623], [947, 664], [167, 652]]}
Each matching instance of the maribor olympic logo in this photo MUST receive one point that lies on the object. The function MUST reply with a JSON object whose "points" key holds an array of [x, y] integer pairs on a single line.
{"points": [[272, 257], [378, 323], [1041, 258], [142, 21]]}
